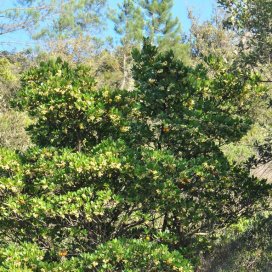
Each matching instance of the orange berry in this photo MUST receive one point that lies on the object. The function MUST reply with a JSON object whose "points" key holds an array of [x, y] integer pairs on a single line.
{"points": [[166, 129], [63, 253]]}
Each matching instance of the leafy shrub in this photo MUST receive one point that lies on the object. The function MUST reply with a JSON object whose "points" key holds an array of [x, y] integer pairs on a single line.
{"points": [[112, 165], [136, 255], [116, 255]]}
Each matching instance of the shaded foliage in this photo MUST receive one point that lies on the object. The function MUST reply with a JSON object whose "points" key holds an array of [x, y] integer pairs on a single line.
{"points": [[248, 250]]}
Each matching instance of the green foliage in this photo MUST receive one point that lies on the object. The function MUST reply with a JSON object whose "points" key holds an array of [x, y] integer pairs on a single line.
{"points": [[252, 20], [6, 70], [137, 255], [160, 26], [59, 19], [241, 151], [107, 69], [249, 248], [10, 163], [66, 28], [211, 38], [128, 23], [135, 19], [234, 47], [162, 29], [113, 169], [135, 180], [186, 98], [190, 116], [21, 258], [70, 111], [73, 201], [12, 130], [12, 124], [9, 79], [116, 255], [86, 217]]}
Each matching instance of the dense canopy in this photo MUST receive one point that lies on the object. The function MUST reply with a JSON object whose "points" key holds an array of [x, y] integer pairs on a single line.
{"points": [[129, 162]]}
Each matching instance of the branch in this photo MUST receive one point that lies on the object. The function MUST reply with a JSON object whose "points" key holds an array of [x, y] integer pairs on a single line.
{"points": [[266, 81], [26, 9]]}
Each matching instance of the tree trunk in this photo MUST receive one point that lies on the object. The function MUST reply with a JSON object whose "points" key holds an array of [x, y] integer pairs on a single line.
{"points": [[125, 72]]}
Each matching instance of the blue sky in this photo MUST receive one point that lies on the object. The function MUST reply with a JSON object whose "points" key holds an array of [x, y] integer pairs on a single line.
{"points": [[202, 9]]}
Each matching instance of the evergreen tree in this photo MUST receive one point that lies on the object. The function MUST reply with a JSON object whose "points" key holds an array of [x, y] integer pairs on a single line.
{"points": [[161, 28], [128, 24], [61, 17], [153, 19], [61, 24]]}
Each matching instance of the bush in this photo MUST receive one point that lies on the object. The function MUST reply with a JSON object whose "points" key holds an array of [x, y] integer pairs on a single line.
{"points": [[113, 256], [113, 167], [12, 130]]}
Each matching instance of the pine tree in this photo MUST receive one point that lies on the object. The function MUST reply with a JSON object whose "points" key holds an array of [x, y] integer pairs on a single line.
{"points": [[153, 19], [128, 24], [63, 25], [161, 28]]}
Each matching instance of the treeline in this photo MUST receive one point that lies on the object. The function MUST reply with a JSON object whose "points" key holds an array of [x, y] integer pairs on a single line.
{"points": [[135, 156]]}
